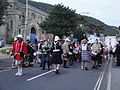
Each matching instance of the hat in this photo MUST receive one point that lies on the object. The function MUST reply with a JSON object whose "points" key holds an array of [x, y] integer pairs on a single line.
{"points": [[67, 39], [20, 36], [15, 38], [56, 38]]}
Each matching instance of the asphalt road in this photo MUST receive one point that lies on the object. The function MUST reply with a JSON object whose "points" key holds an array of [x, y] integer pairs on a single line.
{"points": [[72, 78]]}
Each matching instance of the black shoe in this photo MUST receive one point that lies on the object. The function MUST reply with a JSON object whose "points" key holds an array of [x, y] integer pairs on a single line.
{"points": [[57, 72], [96, 67], [117, 65], [99, 65], [93, 66], [43, 69], [86, 68], [30, 65], [41, 65], [65, 66]]}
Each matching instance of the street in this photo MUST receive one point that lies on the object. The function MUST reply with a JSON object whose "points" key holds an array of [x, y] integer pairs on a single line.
{"points": [[72, 78]]}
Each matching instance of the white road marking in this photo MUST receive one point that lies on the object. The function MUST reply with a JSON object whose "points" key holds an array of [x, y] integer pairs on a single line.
{"points": [[4, 70], [109, 77], [40, 75], [99, 81]]}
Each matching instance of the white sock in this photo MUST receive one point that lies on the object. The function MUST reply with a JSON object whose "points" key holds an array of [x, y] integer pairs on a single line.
{"points": [[82, 65], [85, 64], [39, 60], [20, 70], [57, 68]]}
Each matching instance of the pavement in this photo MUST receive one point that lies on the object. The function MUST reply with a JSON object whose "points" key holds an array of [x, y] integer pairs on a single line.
{"points": [[115, 77]]}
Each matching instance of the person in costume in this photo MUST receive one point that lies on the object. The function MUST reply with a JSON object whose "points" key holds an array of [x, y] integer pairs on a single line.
{"points": [[57, 54], [19, 50]]}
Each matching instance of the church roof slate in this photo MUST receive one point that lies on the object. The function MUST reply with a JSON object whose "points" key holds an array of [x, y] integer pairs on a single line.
{"points": [[42, 6]]}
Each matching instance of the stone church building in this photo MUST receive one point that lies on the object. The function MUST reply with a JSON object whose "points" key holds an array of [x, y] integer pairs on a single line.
{"points": [[17, 23]]}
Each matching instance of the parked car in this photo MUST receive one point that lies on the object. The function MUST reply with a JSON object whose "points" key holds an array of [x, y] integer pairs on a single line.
{"points": [[2, 43]]}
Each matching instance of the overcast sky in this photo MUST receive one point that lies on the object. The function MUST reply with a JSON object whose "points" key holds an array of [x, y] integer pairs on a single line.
{"points": [[108, 11]]}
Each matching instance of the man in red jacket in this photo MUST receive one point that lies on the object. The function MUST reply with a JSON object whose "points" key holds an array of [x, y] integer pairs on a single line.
{"points": [[20, 51]]}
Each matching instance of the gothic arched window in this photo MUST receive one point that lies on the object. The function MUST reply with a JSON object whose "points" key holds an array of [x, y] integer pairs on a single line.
{"points": [[11, 24], [19, 31]]}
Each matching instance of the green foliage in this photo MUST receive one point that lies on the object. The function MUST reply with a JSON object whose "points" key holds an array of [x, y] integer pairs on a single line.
{"points": [[10, 41], [3, 7], [61, 21], [3, 51], [79, 34], [106, 29]]}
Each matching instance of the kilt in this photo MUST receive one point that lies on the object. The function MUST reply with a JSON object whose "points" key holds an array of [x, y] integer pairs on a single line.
{"points": [[56, 58], [46, 58], [85, 56], [96, 57]]}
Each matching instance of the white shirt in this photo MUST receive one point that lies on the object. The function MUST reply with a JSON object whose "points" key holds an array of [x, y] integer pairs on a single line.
{"points": [[84, 46]]}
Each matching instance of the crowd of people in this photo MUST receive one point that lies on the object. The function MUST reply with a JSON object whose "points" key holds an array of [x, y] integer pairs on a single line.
{"points": [[60, 52]]}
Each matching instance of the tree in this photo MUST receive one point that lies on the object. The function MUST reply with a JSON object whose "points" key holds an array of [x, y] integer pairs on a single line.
{"points": [[79, 34], [81, 31], [94, 28], [61, 21], [3, 7]]}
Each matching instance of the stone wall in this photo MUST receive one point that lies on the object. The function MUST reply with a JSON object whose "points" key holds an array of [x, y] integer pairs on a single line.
{"points": [[15, 21]]}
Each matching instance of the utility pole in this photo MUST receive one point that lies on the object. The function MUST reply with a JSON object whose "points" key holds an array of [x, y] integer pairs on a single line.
{"points": [[26, 17]]}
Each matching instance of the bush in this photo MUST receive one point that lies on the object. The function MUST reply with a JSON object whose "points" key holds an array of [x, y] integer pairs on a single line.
{"points": [[4, 50], [10, 41]]}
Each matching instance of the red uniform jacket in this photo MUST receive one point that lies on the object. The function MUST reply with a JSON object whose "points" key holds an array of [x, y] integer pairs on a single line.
{"points": [[17, 48]]}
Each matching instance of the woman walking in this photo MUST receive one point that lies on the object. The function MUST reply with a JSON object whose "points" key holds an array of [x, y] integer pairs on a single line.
{"points": [[85, 57], [57, 54], [95, 50], [46, 47]]}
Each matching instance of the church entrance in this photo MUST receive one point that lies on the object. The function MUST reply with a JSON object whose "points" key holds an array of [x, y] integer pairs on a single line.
{"points": [[33, 30], [33, 35]]}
